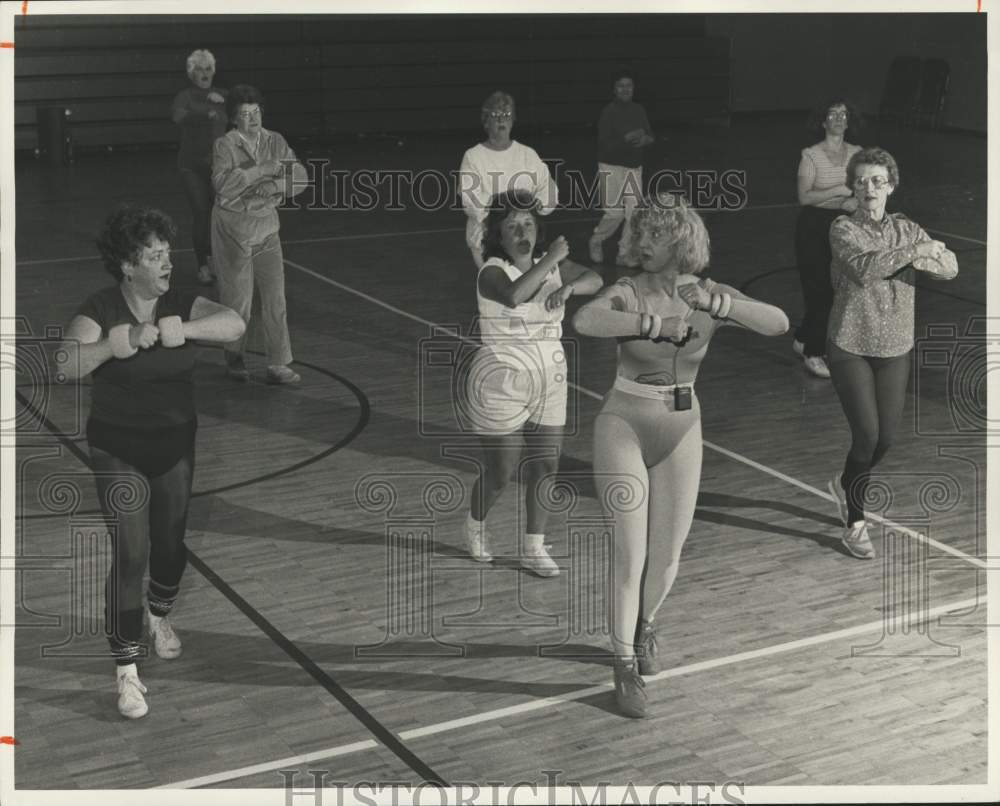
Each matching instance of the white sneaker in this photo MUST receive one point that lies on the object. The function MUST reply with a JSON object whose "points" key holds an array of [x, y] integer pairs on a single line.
{"points": [[596, 252], [536, 557], [798, 347], [857, 541], [131, 703], [839, 497], [477, 539], [165, 640], [817, 366]]}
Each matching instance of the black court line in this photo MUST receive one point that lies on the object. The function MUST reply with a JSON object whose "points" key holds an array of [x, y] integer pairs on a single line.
{"points": [[365, 717], [376, 728], [363, 417]]}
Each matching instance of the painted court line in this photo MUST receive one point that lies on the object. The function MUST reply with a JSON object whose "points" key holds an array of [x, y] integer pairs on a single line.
{"points": [[889, 626], [589, 393]]}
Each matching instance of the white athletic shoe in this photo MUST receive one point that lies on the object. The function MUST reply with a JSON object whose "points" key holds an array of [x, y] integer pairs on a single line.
{"points": [[477, 539], [817, 366], [165, 640], [536, 557], [131, 703], [857, 541], [798, 347], [839, 498]]}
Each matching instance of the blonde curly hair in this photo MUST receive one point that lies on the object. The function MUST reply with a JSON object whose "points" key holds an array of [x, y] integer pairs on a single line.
{"points": [[670, 217]]}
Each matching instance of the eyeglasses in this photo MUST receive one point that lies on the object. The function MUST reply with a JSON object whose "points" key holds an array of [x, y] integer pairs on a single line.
{"points": [[877, 182], [499, 115], [836, 116], [246, 114]]}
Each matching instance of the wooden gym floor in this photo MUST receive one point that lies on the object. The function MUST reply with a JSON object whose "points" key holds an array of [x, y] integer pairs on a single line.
{"points": [[330, 618]]}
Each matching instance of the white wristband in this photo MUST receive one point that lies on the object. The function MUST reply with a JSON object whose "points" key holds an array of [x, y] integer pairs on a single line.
{"points": [[654, 330], [727, 304], [171, 331], [121, 347]]}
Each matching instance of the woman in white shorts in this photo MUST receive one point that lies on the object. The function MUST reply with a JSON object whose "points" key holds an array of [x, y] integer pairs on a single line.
{"points": [[515, 389]]}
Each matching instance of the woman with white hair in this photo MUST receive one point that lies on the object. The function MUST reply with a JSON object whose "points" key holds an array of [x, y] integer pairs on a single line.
{"points": [[200, 112], [500, 165]]}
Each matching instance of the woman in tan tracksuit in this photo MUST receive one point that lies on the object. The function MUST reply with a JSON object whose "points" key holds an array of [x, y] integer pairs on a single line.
{"points": [[253, 172]]}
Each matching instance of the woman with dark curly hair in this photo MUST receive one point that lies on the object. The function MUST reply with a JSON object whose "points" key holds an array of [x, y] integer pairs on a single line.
{"points": [[823, 195], [253, 172], [516, 390], [875, 259], [647, 436], [135, 339]]}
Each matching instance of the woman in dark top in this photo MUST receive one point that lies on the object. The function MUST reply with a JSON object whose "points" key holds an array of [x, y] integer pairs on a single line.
{"points": [[135, 339], [200, 112]]}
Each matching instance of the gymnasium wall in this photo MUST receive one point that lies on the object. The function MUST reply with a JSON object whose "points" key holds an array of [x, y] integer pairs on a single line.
{"points": [[330, 75], [795, 61]]}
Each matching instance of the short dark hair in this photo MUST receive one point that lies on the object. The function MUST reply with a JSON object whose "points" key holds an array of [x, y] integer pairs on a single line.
{"points": [[855, 121], [242, 94], [126, 231], [501, 206], [873, 156]]}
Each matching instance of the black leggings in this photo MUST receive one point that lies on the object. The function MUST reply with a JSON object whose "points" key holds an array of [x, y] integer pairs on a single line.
{"points": [[813, 256], [147, 520], [200, 195], [872, 392]]}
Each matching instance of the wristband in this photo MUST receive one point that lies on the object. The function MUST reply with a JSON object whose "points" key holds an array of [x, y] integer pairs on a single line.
{"points": [[655, 326], [727, 304], [121, 347], [171, 331], [645, 323], [713, 309]]}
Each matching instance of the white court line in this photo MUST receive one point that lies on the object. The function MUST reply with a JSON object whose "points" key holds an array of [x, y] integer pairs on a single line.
{"points": [[825, 495], [887, 625], [724, 451]]}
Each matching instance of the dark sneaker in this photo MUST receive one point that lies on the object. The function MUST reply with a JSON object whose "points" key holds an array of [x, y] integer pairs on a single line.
{"points": [[630, 689]]}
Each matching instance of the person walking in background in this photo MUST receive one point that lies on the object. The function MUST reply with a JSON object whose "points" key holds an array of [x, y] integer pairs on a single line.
{"points": [[623, 132]]}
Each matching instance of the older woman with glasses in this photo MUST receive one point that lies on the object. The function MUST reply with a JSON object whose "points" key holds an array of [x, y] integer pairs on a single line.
{"points": [[253, 171], [823, 195], [500, 165], [875, 260], [200, 112]]}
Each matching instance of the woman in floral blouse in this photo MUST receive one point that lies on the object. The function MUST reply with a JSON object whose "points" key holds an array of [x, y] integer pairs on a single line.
{"points": [[875, 260]]}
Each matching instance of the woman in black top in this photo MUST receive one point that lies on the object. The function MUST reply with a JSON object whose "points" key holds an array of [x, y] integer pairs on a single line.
{"points": [[135, 339]]}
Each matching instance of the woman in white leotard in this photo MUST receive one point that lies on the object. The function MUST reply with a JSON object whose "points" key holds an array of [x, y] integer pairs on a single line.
{"points": [[647, 437]]}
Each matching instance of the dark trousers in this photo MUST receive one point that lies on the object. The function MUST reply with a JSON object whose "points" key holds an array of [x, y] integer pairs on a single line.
{"points": [[812, 257], [872, 392], [147, 519], [197, 184]]}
